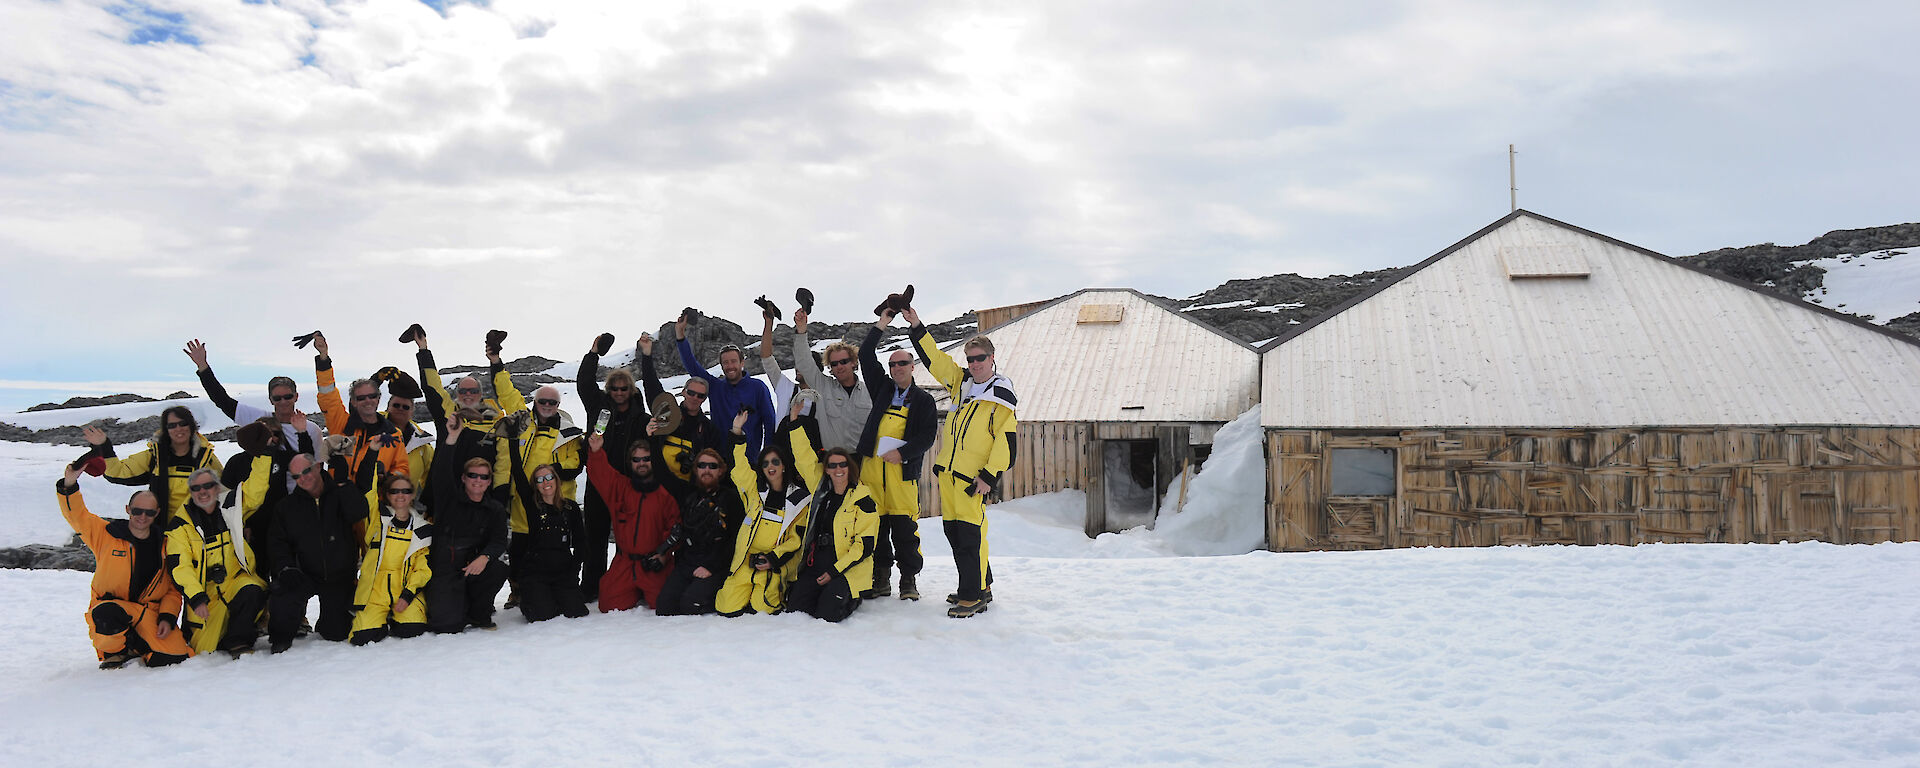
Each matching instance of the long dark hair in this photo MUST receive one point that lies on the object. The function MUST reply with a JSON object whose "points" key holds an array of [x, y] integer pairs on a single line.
{"points": [[163, 456], [853, 468]]}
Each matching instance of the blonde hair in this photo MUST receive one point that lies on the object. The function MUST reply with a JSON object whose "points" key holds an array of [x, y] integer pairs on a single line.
{"points": [[981, 343]]}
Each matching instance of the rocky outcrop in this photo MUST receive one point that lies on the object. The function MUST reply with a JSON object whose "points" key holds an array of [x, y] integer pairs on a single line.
{"points": [[71, 556]]}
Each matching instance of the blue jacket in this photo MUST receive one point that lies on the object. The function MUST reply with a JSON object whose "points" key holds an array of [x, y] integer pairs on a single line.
{"points": [[724, 400]]}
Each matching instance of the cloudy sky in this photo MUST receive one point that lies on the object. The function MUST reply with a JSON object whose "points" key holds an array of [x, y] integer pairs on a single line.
{"points": [[242, 172]]}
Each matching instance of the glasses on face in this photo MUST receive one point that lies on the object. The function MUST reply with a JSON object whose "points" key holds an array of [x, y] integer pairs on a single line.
{"points": [[466, 390], [207, 486], [177, 424], [285, 397], [774, 461], [977, 358], [619, 389], [547, 401], [840, 362], [696, 395], [366, 397], [142, 512], [399, 491], [707, 465], [639, 459], [301, 473], [899, 363], [478, 476], [392, 406], [837, 465], [545, 477]]}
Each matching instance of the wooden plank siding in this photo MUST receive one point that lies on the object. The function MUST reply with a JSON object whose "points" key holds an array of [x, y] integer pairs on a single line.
{"points": [[1488, 487], [1052, 456]]}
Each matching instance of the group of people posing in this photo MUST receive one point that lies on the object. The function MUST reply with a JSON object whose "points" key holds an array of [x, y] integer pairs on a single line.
{"points": [[715, 501]]}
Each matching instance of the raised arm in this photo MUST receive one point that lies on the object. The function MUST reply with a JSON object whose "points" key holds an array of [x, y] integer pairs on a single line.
{"points": [[692, 364], [91, 528], [872, 373], [803, 363], [327, 394], [197, 352], [940, 364], [649, 378]]}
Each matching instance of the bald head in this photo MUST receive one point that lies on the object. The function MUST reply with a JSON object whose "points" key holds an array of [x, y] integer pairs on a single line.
{"points": [[466, 392], [546, 402], [900, 367]]}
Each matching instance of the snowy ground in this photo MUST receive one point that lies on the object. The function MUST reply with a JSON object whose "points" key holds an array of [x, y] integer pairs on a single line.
{"points": [[1883, 284]]}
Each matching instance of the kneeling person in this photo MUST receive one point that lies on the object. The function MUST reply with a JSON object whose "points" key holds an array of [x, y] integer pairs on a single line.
{"points": [[213, 566], [395, 570], [135, 605], [768, 537], [841, 526], [314, 552]]}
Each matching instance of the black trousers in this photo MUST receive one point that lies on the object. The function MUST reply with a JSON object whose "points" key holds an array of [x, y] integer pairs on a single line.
{"points": [[832, 601], [899, 541], [594, 552], [287, 605], [455, 599], [243, 613], [546, 595], [378, 634], [684, 595], [965, 539]]}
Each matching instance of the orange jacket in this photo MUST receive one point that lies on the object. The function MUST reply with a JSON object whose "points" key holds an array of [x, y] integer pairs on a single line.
{"points": [[112, 547], [381, 436]]}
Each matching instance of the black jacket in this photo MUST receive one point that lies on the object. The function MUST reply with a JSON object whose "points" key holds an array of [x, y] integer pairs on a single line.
{"points": [[314, 537], [923, 422], [462, 529], [699, 430], [622, 427]]}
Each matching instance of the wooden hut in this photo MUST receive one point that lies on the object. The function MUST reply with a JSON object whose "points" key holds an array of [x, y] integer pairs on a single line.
{"points": [[1538, 383], [1119, 394]]}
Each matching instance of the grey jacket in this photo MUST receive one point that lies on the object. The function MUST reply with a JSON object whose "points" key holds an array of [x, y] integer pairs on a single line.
{"points": [[842, 413]]}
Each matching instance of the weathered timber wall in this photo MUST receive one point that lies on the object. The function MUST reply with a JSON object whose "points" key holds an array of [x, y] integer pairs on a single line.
{"points": [[1485, 487]]}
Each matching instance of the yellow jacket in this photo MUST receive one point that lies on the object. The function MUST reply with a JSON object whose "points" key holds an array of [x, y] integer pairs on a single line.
{"points": [[856, 525], [395, 567], [191, 556], [510, 401], [139, 469], [380, 441], [979, 438], [556, 445], [764, 529]]}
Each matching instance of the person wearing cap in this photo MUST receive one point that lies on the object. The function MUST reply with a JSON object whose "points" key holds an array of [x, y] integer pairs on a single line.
{"points": [[388, 599], [643, 512], [282, 394], [976, 449], [675, 445], [134, 607], [844, 400], [315, 551], [620, 401], [731, 391], [899, 430], [470, 535], [403, 404], [772, 500], [176, 451], [214, 568]]}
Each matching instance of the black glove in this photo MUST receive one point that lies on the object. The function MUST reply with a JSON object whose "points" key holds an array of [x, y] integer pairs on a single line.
{"points": [[301, 342], [603, 344], [653, 564]]}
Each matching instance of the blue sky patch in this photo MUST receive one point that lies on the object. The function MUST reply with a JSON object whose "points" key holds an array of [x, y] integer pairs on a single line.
{"points": [[152, 25]]}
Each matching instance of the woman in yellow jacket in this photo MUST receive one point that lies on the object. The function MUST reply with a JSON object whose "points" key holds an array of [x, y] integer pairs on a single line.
{"points": [[176, 451], [213, 567], [773, 499], [838, 532], [395, 569]]}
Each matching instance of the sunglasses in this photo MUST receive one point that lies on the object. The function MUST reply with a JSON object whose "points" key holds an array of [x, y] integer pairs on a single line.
{"points": [[467, 390], [301, 473], [701, 395], [177, 424], [546, 401], [546, 477], [284, 398], [840, 362], [367, 396], [838, 465], [205, 487], [640, 459], [707, 465], [400, 491], [478, 476], [619, 389], [774, 461], [143, 512], [899, 363], [977, 358], [392, 406]]}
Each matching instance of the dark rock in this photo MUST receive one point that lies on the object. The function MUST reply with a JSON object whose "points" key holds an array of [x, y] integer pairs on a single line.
{"points": [[88, 402], [179, 395], [71, 556]]}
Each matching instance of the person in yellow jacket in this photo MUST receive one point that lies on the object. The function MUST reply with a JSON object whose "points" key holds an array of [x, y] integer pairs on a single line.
{"points": [[977, 447], [467, 392], [176, 451], [768, 536], [135, 607], [838, 532], [395, 569], [548, 436], [213, 567], [374, 438]]}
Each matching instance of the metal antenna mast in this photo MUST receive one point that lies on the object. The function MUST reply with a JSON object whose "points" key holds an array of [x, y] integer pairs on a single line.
{"points": [[1513, 187]]}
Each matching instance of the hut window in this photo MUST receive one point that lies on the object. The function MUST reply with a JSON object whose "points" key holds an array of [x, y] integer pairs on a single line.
{"points": [[1100, 313], [1362, 471]]}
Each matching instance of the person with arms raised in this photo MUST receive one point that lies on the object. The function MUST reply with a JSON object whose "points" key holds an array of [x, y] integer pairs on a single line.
{"points": [[176, 451], [675, 448], [732, 390], [470, 535], [899, 430], [643, 512], [772, 500], [134, 607]]}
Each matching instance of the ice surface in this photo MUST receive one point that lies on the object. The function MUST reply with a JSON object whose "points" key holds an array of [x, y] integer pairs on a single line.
{"points": [[1884, 284]]}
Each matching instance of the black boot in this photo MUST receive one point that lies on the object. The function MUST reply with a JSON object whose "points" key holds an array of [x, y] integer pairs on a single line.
{"points": [[908, 589], [882, 583]]}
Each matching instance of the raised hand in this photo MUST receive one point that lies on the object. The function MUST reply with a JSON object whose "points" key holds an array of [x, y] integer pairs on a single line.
{"points": [[797, 406], [799, 321], [596, 442], [94, 435], [299, 421], [680, 327], [320, 345], [72, 476], [645, 344], [197, 352], [913, 317], [886, 317], [740, 421]]}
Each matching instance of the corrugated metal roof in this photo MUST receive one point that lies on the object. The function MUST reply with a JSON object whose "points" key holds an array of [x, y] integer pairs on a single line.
{"points": [[1643, 341], [1173, 367]]}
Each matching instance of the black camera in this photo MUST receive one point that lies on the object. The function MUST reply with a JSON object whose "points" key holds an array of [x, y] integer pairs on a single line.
{"points": [[759, 560], [217, 573]]}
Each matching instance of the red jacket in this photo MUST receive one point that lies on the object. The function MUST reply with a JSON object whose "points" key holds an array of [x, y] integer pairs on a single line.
{"points": [[641, 520]]}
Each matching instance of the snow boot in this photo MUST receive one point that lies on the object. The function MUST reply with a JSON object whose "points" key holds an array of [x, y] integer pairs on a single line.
{"points": [[966, 608], [116, 660], [908, 589], [280, 647], [986, 596], [882, 584]]}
